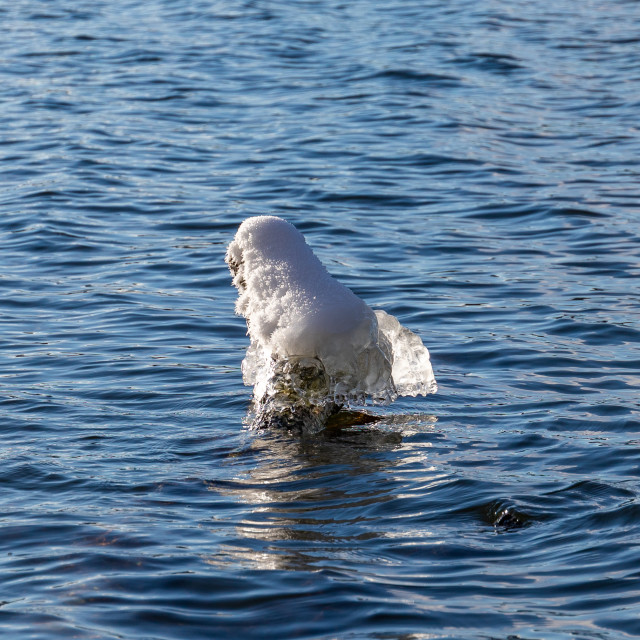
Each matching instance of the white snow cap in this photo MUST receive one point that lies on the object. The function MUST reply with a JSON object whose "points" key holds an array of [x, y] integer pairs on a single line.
{"points": [[294, 307]]}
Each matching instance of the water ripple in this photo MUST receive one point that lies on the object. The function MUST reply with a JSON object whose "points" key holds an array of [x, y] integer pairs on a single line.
{"points": [[471, 168]]}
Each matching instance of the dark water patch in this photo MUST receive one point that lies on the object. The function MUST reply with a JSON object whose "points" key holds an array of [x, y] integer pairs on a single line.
{"points": [[593, 333], [492, 62], [593, 491], [412, 76], [491, 212], [576, 212], [428, 160]]}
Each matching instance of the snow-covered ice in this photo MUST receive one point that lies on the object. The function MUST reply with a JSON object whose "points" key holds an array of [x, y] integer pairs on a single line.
{"points": [[313, 341]]}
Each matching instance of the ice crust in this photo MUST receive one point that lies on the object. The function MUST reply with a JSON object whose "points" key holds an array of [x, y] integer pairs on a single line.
{"points": [[296, 310]]}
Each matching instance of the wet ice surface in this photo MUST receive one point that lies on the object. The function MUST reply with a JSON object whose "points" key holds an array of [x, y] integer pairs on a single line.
{"points": [[315, 346]]}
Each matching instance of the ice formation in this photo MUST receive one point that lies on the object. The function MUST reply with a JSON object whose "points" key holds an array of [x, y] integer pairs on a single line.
{"points": [[315, 345]]}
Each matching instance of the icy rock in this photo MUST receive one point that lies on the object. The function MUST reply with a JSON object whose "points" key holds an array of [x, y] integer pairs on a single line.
{"points": [[300, 318]]}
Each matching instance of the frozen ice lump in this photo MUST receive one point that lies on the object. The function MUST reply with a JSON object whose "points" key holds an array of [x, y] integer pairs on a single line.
{"points": [[315, 345]]}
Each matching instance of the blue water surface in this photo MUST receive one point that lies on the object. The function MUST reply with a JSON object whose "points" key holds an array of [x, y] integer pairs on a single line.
{"points": [[472, 167]]}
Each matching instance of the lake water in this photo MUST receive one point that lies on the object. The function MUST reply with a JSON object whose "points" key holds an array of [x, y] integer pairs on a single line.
{"points": [[472, 167]]}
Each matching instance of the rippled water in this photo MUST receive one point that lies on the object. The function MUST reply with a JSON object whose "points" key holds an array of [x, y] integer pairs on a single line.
{"points": [[471, 167]]}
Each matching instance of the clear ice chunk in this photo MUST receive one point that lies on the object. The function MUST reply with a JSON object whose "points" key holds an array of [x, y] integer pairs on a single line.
{"points": [[314, 343]]}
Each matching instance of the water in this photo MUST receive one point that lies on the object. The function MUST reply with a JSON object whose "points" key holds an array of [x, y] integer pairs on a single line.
{"points": [[470, 167]]}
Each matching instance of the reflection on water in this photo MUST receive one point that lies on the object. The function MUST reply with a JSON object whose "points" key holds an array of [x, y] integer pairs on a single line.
{"points": [[325, 490]]}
